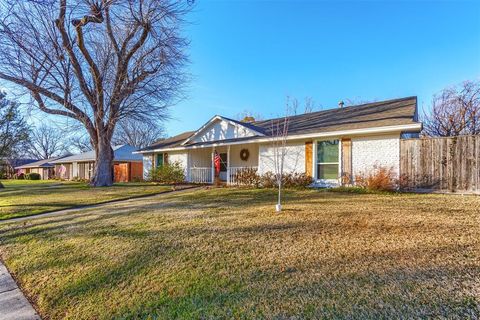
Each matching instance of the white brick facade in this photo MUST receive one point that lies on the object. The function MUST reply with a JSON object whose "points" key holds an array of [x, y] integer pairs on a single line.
{"points": [[147, 165], [179, 157], [294, 158], [368, 152]]}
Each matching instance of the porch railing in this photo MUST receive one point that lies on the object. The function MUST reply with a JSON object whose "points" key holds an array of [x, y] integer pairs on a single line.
{"points": [[200, 175], [234, 172]]}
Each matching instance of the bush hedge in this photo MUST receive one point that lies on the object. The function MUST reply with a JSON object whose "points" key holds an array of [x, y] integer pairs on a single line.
{"points": [[33, 176], [250, 178], [172, 173], [19, 176]]}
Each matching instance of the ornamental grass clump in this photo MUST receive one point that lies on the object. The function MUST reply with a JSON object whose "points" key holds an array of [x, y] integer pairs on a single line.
{"points": [[379, 179]]}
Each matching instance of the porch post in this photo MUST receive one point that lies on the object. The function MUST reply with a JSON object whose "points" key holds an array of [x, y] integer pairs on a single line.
{"points": [[213, 165], [189, 161], [228, 165]]}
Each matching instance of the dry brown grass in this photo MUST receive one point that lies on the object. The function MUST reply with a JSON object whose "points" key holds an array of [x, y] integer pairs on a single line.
{"points": [[226, 254], [22, 198]]}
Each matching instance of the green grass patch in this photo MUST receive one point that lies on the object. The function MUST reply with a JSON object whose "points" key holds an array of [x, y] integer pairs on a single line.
{"points": [[226, 253], [359, 190], [22, 198]]}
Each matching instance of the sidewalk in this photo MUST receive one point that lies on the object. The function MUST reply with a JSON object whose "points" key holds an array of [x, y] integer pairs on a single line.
{"points": [[98, 205], [13, 304]]}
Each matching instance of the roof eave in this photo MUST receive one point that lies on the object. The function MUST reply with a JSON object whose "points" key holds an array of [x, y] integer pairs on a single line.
{"points": [[414, 127]]}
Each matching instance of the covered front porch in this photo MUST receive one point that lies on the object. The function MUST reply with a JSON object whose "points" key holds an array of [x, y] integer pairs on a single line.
{"points": [[233, 160]]}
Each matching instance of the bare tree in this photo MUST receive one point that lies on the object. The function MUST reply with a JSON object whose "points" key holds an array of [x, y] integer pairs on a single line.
{"points": [[138, 133], [279, 131], [79, 143], [455, 111], [95, 61], [309, 106], [14, 132], [46, 142]]}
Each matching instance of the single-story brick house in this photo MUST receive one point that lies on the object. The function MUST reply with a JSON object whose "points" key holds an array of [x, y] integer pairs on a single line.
{"points": [[332, 145], [45, 168], [126, 165]]}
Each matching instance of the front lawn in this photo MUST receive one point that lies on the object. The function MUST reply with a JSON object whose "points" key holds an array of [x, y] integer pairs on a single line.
{"points": [[26, 197], [225, 253]]}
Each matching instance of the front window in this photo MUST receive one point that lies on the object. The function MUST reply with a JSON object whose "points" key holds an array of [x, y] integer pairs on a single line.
{"points": [[327, 160], [159, 160]]}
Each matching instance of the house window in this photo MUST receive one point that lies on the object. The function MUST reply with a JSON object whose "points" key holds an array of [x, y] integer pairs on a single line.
{"points": [[159, 160], [327, 160]]}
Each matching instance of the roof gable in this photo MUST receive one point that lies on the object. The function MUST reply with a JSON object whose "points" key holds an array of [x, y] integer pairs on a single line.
{"points": [[220, 128]]}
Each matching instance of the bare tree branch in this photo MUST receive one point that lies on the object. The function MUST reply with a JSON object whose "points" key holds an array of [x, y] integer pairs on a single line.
{"points": [[46, 142], [455, 111], [96, 61]]}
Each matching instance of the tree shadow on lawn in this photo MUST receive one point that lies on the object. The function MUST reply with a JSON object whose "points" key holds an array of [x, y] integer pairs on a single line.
{"points": [[35, 209], [372, 286], [390, 292], [213, 207], [124, 271], [54, 224]]}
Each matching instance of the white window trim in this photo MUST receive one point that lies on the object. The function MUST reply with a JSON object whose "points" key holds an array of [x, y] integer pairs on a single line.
{"points": [[327, 182]]}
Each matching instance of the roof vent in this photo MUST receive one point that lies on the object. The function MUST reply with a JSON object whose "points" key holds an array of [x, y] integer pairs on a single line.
{"points": [[341, 104]]}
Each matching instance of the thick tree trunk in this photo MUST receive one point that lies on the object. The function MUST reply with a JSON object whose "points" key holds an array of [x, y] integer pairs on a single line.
{"points": [[103, 176]]}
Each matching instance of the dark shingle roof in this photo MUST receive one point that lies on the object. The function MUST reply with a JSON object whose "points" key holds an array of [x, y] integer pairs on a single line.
{"points": [[172, 142], [370, 115]]}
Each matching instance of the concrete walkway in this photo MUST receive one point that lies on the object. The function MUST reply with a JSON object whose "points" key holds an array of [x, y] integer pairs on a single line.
{"points": [[13, 304], [99, 205]]}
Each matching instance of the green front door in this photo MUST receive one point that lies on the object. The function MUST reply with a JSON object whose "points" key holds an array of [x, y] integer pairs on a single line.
{"points": [[159, 160]]}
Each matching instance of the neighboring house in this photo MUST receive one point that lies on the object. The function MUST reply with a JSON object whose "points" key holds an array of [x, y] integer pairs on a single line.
{"points": [[7, 166], [332, 146], [126, 165], [44, 168]]}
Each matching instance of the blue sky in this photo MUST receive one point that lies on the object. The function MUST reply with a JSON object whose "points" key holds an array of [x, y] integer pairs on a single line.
{"points": [[249, 55]]}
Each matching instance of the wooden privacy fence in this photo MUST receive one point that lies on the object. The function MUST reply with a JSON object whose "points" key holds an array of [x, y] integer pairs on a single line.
{"points": [[449, 164]]}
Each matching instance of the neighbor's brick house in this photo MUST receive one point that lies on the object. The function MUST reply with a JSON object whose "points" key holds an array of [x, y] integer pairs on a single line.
{"points": [[126, 165]]}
